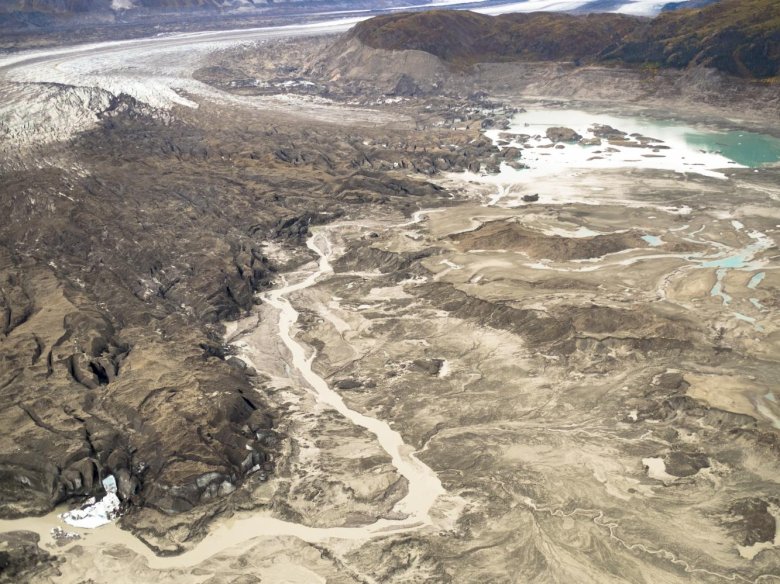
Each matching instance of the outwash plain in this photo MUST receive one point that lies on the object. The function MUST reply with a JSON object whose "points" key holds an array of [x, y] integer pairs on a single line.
{"points": [[329, 311]]}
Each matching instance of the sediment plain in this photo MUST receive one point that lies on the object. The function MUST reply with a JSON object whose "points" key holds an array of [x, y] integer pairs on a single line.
{"points": [[288, 291]]}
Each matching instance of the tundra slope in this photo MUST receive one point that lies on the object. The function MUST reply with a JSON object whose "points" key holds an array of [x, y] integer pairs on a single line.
{"points": [[737, 37]]}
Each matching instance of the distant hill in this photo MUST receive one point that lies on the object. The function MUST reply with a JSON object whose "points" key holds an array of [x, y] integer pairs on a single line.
{"points": [[738, 37], [116, 19], [41, 15], [465, 38], [82, 6]]}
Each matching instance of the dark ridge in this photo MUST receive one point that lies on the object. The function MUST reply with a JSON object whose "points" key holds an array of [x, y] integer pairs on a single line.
{"points": [[465, 38], [737, 37]]}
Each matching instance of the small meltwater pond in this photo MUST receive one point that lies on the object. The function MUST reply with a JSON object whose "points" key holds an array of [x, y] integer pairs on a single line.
{"points": [[647, 143]]}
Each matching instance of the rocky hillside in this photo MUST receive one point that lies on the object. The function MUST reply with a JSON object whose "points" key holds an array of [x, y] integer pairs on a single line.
{"points": [[738, 37], [465, 38]]}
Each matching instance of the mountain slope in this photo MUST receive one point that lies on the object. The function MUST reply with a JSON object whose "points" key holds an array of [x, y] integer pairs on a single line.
{"points": [[738, 37], [463, 38]]}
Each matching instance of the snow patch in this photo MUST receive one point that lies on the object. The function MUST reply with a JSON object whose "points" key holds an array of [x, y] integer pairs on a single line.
{"points": [[641, 8]]}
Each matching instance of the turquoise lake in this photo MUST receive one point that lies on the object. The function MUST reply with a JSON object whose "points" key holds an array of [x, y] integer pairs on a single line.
{"points": [[747, 148]]}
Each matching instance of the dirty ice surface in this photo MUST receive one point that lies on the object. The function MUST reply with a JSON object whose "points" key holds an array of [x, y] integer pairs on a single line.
{"points": [[96, 513]]}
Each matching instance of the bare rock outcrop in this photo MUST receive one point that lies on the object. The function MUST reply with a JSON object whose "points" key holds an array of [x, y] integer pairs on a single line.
{"points": [[559, 134]]}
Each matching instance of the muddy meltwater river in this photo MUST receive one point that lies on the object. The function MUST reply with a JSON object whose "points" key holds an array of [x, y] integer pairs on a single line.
{"points": [[424, 487]]}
